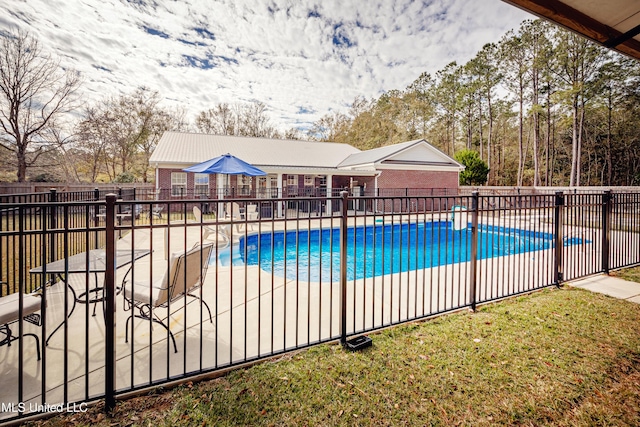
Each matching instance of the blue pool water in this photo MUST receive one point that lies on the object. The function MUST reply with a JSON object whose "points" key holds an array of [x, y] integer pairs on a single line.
{"points": [[381, 249]]}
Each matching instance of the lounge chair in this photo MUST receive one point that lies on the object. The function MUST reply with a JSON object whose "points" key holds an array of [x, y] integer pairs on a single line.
{"points": [[252, 214], [186, 273], [9, 314], [155, 212], [209, 228], [232, 210], [132, 210], [235, 214]]}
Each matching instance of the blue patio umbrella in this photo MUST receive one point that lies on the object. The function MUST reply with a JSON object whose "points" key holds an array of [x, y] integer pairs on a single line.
{"points": [[228, 165]]}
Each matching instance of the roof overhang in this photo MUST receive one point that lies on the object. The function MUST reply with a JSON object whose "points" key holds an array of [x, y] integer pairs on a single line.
{"points": [[316, 171], [612, 23], [274, 169], [416, 166]]}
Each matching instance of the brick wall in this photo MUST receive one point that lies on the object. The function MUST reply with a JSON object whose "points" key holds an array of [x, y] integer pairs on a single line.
{"points": [[164, 180], [389, 178], [393, 178], [164, 177]]}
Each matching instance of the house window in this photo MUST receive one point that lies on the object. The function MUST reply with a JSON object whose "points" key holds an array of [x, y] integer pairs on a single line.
{"points": [[292, 185], [201, 184], [322, 184], [268, 186], [309, 181], [178, 183], [244, 185]]}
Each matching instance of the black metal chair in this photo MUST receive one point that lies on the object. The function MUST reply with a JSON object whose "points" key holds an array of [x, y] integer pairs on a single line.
{"points": [[9, 314], [186, 273]]}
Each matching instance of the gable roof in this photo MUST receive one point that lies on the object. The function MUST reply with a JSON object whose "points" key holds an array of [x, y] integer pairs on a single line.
{"points": [[414, 153], [178, 148]]}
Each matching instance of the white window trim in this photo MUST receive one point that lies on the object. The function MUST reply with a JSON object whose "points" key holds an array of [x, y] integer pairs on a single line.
{"points": [[176, 184], [244, 185], [199, 185]]}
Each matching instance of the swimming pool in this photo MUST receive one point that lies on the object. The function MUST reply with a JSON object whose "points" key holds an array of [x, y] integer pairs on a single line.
{"points": [[377, 250]]}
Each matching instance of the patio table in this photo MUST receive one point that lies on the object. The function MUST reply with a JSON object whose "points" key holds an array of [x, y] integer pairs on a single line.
{"points": [[93, 261]]}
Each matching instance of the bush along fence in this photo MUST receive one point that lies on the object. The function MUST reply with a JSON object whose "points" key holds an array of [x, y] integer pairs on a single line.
{"points": [[108, 296]]}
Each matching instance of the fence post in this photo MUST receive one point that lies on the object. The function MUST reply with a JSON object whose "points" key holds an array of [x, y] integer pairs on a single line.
{"points": [[96, 210], [606, 229], [110, 308], [558, 266], [53, 198], [474, 248], [343, 268]]}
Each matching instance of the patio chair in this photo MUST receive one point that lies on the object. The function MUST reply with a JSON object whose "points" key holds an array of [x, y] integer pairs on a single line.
{"points": [[155, 212], [209, 228], [233, 211], [133, 211], [186, 273], [235, 214], [9, 314], [252, 214]]}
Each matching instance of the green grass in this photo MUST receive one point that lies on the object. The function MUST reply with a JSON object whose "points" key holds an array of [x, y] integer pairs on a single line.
{"points": [[631, 274], [558, 357]]}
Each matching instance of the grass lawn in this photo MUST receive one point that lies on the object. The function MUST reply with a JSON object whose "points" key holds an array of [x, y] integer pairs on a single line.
{"points": [[631, 274], [558, 357]]}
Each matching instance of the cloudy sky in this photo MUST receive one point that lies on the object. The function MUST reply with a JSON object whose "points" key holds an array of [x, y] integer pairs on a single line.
{"points": [[303, 59]]}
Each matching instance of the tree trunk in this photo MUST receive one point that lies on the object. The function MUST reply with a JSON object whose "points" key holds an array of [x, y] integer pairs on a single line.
{"points": [[520, 137], [480, 128], [469, 127], [579, 150], [608, 153], [574, 143], [546, 154], [536, 130], [490, 136], [453, 134], [21, 156]]}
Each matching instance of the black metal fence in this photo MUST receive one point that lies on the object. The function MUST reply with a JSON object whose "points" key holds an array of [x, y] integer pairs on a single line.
{"points": [[133, 294], [54, 195]]}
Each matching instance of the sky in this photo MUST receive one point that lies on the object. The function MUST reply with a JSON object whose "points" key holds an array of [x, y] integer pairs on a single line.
{"points": [[302, 59]]}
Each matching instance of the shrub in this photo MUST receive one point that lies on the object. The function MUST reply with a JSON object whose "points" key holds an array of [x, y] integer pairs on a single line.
{"points": [[476, 170]]}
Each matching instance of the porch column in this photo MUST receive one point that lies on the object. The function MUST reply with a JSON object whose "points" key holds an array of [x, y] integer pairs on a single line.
{"points": [[220, 181], [328, 208], [279, 195]]}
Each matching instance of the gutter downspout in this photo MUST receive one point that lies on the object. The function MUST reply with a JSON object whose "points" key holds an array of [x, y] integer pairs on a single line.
{"points": [[157, 178], [375, 182], [375, 188]]}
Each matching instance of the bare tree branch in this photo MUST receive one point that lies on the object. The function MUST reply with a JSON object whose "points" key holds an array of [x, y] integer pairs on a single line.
{"points": [[34, 92]]}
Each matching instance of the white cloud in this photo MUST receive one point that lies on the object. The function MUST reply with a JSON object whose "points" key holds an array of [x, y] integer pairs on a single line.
{"points": [[302, 58]]}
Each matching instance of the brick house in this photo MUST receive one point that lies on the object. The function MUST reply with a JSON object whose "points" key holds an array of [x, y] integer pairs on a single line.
{"points": [[301, 168]]}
